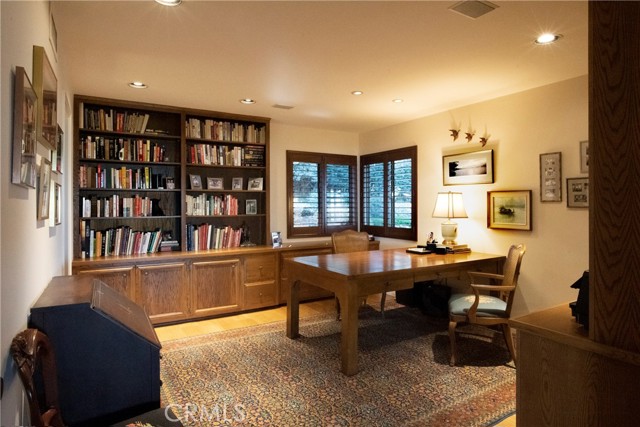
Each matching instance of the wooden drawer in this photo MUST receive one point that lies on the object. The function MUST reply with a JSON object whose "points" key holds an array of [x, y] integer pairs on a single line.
{"points": [[260, 268], [263, 295]]}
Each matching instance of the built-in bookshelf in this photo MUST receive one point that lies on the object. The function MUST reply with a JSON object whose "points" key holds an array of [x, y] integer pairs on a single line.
{"points": [[151, 178]]}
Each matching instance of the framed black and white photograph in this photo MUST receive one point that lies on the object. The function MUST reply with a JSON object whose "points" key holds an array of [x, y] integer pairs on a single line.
{"points": [[25, 107], [215, 183], [237, 183], [276, 239], [44, 190], [578, 192], [251, 207], [468, 168], [255, 184], [584, 156], [551, 177], [509, 210], [196, 182]]}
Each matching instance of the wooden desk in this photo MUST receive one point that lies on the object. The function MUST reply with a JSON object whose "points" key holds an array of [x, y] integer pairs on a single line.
{"points": [[354, 275]]}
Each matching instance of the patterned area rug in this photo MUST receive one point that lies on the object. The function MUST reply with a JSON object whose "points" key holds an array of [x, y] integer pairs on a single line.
{"points": [[258, 377]]}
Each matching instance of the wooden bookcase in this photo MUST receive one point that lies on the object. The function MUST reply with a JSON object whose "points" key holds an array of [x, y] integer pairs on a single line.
{"points": [[136, 172]]}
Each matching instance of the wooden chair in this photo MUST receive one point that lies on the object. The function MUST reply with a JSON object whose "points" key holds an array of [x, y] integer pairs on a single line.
{"points": [[352, 241], [486, 310], [33, 355]]}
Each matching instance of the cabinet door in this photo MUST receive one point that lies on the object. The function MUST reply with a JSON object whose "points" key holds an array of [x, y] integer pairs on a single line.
{"points": [[163, 291], [260, 287], [215, 287], [118, 278]]}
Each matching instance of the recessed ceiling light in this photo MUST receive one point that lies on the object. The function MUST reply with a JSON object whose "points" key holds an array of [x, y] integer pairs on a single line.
{"points": [[547, 38], [357, 92], [398, 100], [248, 101], [169, 2], [137, 85]]}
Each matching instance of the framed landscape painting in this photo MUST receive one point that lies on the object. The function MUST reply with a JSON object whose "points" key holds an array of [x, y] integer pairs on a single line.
{"points": [[509, 210], [468, 168]]}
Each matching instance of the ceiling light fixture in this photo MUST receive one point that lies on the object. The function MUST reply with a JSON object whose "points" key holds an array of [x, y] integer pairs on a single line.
{"points": [[248, 101], [137, 85], [547, 38], [398, 101], [357, 92], [169, 2]]}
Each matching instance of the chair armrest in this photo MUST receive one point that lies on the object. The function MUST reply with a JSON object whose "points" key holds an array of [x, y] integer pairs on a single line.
{"points": [[482, 274], [498, 288]]}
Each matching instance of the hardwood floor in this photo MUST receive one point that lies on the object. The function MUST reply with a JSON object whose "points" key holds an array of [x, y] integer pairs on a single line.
{"points": [[184, 330]]}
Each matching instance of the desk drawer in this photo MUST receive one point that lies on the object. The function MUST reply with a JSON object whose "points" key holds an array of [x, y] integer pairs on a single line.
{"points": [[262, 295]]}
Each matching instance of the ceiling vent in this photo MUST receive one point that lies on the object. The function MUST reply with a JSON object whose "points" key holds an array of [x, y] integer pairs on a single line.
{"points": [[282, 107], [473, 8]]}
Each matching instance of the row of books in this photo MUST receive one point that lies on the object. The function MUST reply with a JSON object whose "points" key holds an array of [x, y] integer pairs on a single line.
{"points": [[118, 206], [117, 241], [206, 236], [123, 178], [110, 120], [124, 149], [458, 248], [206, 154], [204, 204], [225, 131]]}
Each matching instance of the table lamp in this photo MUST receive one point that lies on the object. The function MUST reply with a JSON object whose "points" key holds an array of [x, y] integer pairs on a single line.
{"points": [[449, 205]]}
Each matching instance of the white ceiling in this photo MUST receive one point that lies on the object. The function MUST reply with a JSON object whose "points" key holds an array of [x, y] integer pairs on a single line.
{"points": [[311, 54]]}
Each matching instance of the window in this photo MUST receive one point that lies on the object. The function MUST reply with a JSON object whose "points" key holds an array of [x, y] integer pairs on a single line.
{"points": [[321, 193], [388, 193]]}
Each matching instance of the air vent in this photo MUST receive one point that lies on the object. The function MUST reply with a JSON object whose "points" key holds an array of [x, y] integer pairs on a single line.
{"points": [[473, 9], [282, 107]]}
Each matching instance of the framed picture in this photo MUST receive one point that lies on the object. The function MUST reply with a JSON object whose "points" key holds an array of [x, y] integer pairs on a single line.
{"points": [[276, 239], [584, 156], [551, 177], [255, 184], [509, 210], [44, 191], [196, 182], [214, 183], [578, 192], [56, 204], [236, 183], [25, 106], [45, 86], [251, 207], [468, 168]]}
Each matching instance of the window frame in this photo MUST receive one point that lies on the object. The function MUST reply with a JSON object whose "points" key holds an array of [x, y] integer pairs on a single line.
{"points": [[322, 159], [385, 157]]}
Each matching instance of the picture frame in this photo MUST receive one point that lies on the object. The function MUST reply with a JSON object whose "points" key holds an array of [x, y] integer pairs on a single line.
{"points": [[509, 210], [578, 192], [551, 177], [25, 105], [215, 183], [468, 168], [45, 85], [44, 189], [237, 183], [276, 239], [584, 156], [251, 207], [56, 155], [255, 184], [57, 204], [195, 181]]}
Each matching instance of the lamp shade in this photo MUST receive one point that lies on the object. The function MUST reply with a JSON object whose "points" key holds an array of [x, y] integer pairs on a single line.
{"points": [[449, 205]]}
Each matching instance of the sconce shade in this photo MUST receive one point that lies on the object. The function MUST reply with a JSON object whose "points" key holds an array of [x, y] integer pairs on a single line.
{"points": [[449, 205]]}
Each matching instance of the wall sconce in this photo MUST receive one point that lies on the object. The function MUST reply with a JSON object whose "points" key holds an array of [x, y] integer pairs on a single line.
{"points": [[449, 205]]}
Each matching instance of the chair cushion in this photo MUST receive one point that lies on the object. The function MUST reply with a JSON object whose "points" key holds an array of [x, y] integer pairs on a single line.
{"points": [[489, 306]]}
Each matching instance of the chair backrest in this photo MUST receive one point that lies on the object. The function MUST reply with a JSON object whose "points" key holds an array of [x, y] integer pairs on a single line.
{"points": [[511, 270], [350, 241], [33, 355]]}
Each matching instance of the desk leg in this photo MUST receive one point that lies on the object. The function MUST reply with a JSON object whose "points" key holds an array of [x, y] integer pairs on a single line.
{"points": [[293, 310], [349, 305]]}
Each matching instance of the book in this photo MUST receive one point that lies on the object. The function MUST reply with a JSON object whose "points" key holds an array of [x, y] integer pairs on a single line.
{"points": [[423, 251]]}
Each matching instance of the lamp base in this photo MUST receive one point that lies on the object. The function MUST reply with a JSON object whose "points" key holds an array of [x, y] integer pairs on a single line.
{"points": [[449, 232]]}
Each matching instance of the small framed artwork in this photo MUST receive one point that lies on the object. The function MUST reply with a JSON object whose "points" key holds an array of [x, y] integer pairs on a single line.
{"points": [[196, 182], [255, 184], [237, 183], [276, 239], [578, 192], [584, 156], [214, 183], [509, 210], [44, 192], [57, 204], [251, 207], [170, 183], [25, 107], [45, 86], [551, 177], [468, 168]]}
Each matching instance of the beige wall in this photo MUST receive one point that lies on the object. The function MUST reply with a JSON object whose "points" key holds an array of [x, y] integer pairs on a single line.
{"points": [[522, 126]]}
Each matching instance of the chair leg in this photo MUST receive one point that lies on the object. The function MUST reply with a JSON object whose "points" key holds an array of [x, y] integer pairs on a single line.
{"points": [[337, 308], [382, 301], [452, 340], [506, 331]]}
